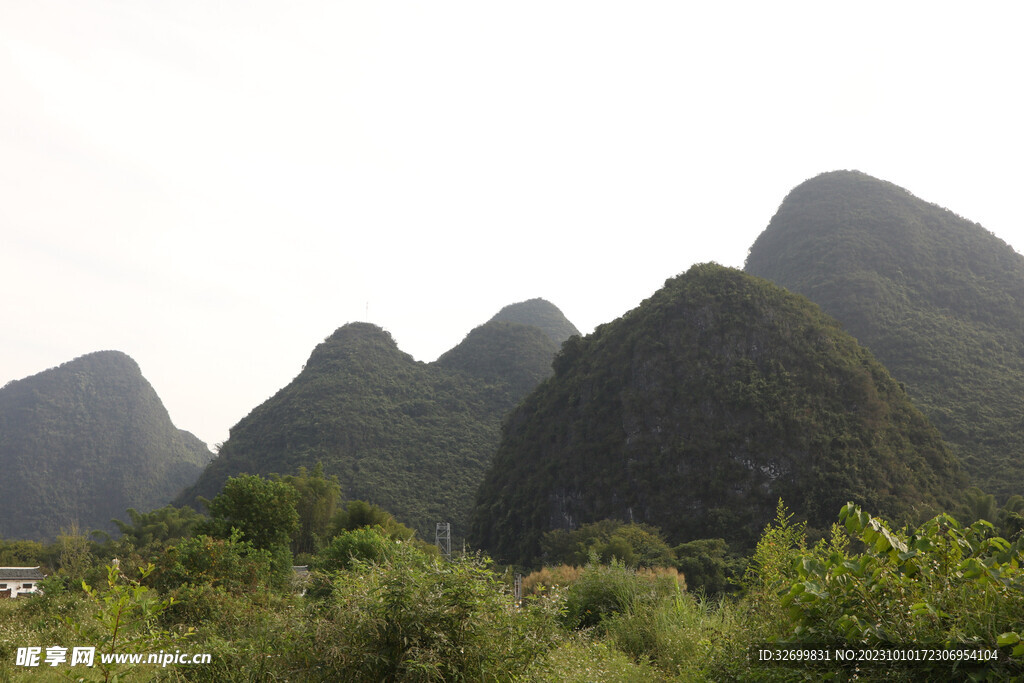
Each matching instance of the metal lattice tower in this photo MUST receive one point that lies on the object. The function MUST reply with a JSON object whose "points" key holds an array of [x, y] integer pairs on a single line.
{"points": [[443, 539]]}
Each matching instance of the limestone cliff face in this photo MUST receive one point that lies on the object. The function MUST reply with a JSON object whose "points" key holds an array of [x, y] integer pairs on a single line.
{"points": [[696, 411]]}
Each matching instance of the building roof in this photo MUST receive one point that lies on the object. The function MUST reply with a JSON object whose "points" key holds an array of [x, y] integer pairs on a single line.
{"points": [[21, 573]]}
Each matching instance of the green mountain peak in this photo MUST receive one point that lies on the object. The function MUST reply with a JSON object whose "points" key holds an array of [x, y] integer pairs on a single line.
{"points": [[82, 442], [937, 298], [697, 411], [538, 313], [412, 437]]}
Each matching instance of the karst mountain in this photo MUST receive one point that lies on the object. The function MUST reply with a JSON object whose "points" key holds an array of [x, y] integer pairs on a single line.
{"points": [[698, 410], [81, 443], [937, 298], [412, 437]]}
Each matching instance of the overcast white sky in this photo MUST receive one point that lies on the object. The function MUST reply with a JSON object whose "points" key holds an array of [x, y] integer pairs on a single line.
{"points": [[214, 187]]}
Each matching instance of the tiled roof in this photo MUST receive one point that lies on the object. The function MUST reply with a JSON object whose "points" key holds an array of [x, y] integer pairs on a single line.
{"points": [[19, 573]]}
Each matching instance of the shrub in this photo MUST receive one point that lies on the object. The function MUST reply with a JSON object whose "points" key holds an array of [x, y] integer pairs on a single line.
{"points": [[230, 564], [363, 544], [635, 545], [708, 565], [583, 661], [125, 620], [546, 578], [605, 590], [940, 584], [412, 617]]}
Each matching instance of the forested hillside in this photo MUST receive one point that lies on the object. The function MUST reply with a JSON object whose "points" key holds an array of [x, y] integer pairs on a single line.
{"points": [[938, 299], [412, 437], [81, 443], [518, 356], [697, 411]]}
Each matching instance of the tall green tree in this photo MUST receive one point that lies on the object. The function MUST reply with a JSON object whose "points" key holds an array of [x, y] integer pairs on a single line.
{"points": [[264, 510], [317, 503]]}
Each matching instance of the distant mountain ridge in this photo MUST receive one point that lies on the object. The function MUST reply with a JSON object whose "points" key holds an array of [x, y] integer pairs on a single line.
{"points": [[82, 442], [697, 411], [412, 437], [937, 298]]}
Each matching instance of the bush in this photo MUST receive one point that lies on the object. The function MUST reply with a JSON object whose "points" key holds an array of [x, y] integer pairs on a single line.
{"points": [[635, 545], [543, 580], [940, 584], [770, 569], [603, 591], [412, 617], [363, 544], [124, 619], [708, 565], [230, 564], [584, 661]]}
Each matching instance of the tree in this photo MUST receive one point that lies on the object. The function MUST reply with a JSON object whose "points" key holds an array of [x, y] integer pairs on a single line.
{"points": [[636, 545], [981, 505], [75, 554], [706, 564], [16, 553], [358, 514], [262, 509], [157, 526], [316, 505]]}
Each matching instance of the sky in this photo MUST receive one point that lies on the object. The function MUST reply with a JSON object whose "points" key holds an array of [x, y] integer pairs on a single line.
{"points": [[214, 187]]}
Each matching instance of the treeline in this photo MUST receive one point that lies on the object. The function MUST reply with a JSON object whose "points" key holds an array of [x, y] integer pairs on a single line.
{"points": [[614, 601]]}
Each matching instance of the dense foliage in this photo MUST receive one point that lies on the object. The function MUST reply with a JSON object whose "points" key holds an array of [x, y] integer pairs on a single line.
{"points": [[516, 355], [157, 527], [83, 442], [938, 299], [412, 437], [939, 584], [262, 510], [636, 545], [696, 411], [377, 607]]}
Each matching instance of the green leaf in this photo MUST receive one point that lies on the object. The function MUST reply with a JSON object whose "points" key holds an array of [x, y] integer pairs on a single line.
{"points": [[1008, 638], [882, 544]]}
